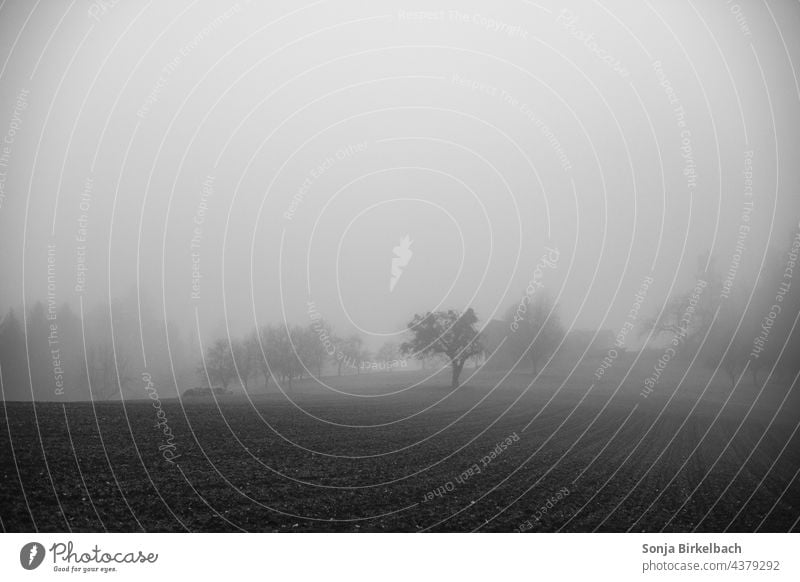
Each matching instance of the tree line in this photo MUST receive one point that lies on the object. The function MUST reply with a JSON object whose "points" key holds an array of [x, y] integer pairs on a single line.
{"points": [[49, 353], [52, 353], [739, 327], [287, 353]]}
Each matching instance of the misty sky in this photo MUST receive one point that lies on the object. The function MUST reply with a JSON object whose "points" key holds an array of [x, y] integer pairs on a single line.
{"points": [[296, 145]]}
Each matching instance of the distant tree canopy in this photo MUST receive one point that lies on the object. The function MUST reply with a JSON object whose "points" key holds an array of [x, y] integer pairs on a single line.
{"points": [[535, 329], [388, 355], [13, 366], [688, 315], [352, 353], [283, 352], [218, 364], [450, 333], [97, 353], [736, 325]]}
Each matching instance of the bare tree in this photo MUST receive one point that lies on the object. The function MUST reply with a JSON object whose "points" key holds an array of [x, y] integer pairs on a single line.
{"points": [[450, 333]]}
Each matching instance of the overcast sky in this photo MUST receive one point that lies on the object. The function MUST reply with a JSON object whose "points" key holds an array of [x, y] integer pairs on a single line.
{"points": [[296, 145]]}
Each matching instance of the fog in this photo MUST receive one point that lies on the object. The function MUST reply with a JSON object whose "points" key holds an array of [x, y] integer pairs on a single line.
{"points": [[213, 168]]}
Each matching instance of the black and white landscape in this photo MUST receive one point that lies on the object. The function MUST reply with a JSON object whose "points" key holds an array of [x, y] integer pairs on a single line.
{"points": [[351, 266]]}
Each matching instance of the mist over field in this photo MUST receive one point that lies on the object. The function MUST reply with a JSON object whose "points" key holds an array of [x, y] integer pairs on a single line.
{"points": [[399, 267]]}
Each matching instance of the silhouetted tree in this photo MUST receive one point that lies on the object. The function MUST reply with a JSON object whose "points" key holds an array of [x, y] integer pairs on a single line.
{"points": [[450, 333]]}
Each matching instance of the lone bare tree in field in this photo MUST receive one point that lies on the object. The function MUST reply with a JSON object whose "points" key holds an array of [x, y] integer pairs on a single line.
{"points": [[450, 333]]}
